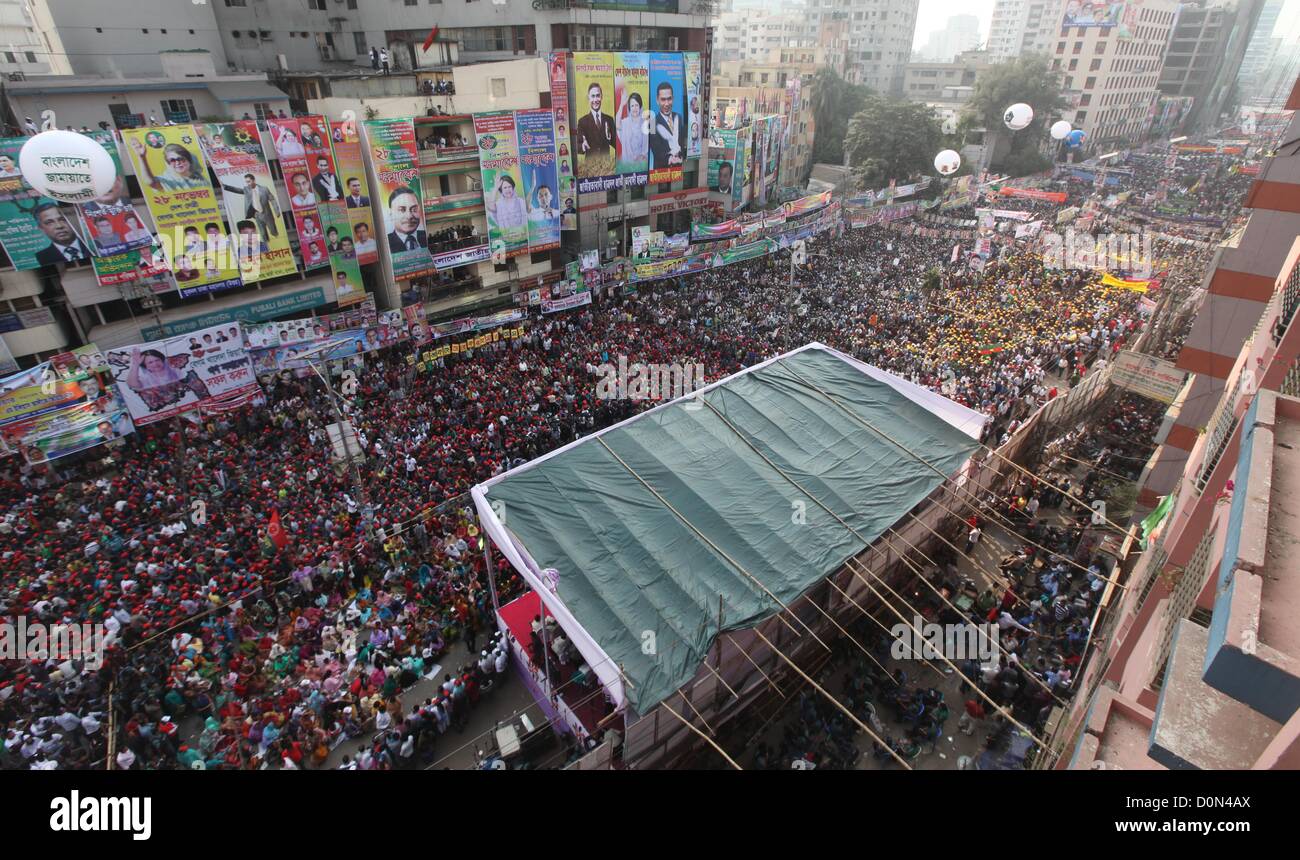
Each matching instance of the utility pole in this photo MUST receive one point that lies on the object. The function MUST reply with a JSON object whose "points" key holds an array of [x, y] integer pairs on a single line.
{"points": [[358, 487]]}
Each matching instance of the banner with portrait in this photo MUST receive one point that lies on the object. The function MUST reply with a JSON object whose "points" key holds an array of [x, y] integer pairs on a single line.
{"points": [[557, 62], [68, 430], [695, 113], [535, 131], [234, 149], [344, 266], [173, 177], [163, 378], [111, 223], [668, 126], [632, 112], [12, 184], [397, 171], [503, 200], [744, 176], [351, 168], [595, 135], [287, 138], [148, 266], [35, 232]]}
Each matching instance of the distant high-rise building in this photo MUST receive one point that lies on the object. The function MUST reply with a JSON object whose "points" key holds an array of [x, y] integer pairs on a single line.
{"points": [[878, 36], [1205, 52], [1262, 47], [1110, 70], [962, 33], [1021, 27]]}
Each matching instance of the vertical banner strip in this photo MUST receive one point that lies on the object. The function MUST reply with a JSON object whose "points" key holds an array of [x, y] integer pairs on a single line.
{"points": [[557, 62], [535, 130], [503, 187], [397, 172], [351, 169], [234, 149]]}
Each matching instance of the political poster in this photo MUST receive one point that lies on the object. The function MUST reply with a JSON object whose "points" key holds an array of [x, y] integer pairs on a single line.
{"points": [[557, 62], [668, 128], [503, 190], [292, 151], [595, 134], [740, 186], [234, 149], [111, 224], [148, 266], [12, 184], [173, 177], [632, 112], [694, 105], [535, 131], [163, 378], [68, 430], [351, 168], [344, 266], [35, 232], [397, 172]]}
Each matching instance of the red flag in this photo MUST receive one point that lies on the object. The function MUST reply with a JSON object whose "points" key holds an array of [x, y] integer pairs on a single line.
{"points": [[275, 532], [433, 34]]}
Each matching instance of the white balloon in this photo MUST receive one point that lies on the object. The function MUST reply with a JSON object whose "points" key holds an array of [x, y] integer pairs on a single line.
{"points": [[67, 166], [1018, 116], [1060, 129], [947, 162]]}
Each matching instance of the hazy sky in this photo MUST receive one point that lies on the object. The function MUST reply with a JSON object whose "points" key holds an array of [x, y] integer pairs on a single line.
{"points": [[934, 14]]}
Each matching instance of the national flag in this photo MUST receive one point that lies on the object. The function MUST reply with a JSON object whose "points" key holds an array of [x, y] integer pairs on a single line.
{"points": [[275, 532], [428, 40], [1110, 280]]}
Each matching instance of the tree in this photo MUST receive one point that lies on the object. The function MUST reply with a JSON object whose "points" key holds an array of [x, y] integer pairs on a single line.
{"points": [[892, 139], [834, 100], [1029, 79]]}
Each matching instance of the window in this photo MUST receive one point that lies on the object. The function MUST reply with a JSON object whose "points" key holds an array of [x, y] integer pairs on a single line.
{"points": [[263, 110], [182, 108], [359, 43], [10, 58], [498, 88], [318, 5], [352, 4], [1090, 82], [31, 56], [236, 2], [411, 2], [1074, 64], [1094, 65]]}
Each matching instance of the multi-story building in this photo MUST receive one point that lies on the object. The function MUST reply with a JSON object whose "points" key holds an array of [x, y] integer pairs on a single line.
{"points": [[926, 81], [310, 35], [1196, 660], [1238, 286], [1205, 53], [1113, 71], [1020, 27], [879, 35], [962, 33], [22, 49], [760, 88], [1262, 47], [751, 34]]}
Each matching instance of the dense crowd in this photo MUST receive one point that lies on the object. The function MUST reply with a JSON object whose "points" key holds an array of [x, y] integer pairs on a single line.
{"points": [[282, 652]]}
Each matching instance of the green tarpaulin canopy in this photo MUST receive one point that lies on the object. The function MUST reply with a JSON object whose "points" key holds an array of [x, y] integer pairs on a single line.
{"points": [[647, 523]]}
